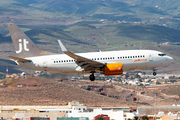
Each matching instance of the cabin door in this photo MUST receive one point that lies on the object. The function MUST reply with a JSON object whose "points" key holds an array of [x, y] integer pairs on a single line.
{"points": [[150, 57], [45, 64]]}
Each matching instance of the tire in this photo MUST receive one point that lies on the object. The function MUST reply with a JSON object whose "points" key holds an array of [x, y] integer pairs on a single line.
{"points": [[92, 77], [154, 73]]}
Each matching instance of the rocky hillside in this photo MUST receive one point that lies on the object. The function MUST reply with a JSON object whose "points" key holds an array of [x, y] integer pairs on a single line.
{"points": [[42, 91]]}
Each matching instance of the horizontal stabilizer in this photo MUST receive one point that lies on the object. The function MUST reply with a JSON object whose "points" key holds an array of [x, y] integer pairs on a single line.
{"points": [[19, 59]]}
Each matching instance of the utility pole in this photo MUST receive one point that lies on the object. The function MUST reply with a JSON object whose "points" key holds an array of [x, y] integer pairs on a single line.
{"points": [[155, 106], [6, 71]]}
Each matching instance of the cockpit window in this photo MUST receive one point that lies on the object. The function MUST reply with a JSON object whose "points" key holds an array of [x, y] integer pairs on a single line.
{"points": [[162, 54]]}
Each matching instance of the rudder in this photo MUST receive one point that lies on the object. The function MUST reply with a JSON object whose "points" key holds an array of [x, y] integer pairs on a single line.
{"points": [[24, 47]]}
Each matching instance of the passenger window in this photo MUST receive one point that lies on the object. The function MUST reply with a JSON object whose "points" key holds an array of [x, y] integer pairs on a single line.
{"points": [[94, 58], [130, 56], [125, 56], [113, 57]]}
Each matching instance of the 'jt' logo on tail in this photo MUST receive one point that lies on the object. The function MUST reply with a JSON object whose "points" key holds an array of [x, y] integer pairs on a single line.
{"points": [[21, 44]]}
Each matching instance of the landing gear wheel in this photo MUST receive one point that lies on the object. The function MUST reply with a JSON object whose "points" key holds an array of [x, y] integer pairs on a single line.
{"points": [[92, 77], [154, 73]]}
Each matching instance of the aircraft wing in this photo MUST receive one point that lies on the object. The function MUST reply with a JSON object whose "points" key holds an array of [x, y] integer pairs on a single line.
{"points": [[81, 61], [20, 59]]}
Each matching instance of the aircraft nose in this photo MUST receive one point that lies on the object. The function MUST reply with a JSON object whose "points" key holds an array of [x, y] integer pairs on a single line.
{"points": [[170, 59]]}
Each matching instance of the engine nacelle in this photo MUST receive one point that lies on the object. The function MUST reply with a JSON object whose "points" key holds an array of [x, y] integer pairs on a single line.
{"points": [[113, 69]]}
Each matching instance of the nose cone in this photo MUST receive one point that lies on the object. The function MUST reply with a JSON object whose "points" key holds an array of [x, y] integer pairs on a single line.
{"points": [[170, 59]]}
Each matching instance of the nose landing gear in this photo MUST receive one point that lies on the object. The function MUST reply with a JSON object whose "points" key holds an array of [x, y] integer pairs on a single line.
{"points": [[154, 72], [92, 77]]}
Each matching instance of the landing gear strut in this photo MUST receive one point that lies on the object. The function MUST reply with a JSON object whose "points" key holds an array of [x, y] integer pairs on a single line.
{"points": [[154, 72], [92, 77]]}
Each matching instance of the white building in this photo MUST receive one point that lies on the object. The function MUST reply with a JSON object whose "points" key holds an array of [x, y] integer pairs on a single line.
{"points": [[129, 115], [115, 115], [133, 82], [74, 109]]}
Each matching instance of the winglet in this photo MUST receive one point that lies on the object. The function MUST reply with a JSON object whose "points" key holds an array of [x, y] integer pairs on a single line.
{"points": [[62, 46]]}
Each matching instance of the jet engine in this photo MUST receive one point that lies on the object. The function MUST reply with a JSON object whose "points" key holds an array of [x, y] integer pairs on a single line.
{"points": [[113, 69]]}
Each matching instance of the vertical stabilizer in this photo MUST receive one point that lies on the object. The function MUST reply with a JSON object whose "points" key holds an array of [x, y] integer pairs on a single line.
{"points": [[24, 47]]}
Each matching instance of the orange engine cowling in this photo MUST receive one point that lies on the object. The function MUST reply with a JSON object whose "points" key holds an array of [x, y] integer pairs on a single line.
{"points": [[113, 69]]}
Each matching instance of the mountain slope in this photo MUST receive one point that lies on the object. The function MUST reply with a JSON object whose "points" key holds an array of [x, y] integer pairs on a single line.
{"points": [[171, 6], [86, 38], [56, 12], [43, 91], [45, 21]]}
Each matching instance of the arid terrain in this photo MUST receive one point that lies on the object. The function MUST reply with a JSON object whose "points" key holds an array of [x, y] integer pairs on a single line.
{"points": [[43, 91]]}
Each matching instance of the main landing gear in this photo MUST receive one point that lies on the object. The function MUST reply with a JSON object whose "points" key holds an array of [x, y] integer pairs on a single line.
{"points": [[92, 77], [154, 72]]}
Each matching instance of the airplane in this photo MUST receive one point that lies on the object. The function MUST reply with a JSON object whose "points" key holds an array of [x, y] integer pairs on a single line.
{"points": [[109, 63]]}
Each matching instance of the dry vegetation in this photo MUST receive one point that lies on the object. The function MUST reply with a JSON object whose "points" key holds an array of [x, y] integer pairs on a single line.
{"points": [[42, 91]]}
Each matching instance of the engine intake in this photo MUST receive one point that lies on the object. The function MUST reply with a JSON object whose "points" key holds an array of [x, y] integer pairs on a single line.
{"points": [[113, 69]]}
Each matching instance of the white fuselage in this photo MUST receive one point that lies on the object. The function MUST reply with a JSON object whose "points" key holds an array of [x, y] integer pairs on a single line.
{"points": [[131, 59]]}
